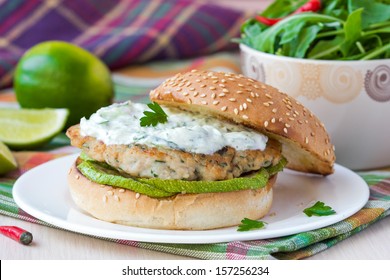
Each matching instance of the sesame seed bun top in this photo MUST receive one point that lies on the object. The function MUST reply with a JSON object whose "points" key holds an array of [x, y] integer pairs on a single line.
{"points": [[306, 143]]}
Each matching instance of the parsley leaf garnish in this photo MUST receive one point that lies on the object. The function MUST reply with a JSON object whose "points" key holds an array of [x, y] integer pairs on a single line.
{"points": [[155, 117], [248, 224], [319, 209]]}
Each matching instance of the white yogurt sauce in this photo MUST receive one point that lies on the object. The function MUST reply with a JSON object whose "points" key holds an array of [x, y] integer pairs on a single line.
{"points": [[189, 132]]}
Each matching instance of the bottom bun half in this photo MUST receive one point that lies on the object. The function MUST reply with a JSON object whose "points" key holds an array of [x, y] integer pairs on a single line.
{"points": [[181, 212]]}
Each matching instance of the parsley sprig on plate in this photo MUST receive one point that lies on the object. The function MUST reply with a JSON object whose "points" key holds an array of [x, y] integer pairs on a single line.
{"points": [[248, 224], [155, 117], [319, 209]]}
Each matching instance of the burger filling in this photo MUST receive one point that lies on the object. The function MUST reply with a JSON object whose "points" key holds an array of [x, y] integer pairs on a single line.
{"points": [[188, 147]]}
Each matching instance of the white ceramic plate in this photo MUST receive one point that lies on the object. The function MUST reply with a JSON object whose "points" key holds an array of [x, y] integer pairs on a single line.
{"points": [[43, 193]]}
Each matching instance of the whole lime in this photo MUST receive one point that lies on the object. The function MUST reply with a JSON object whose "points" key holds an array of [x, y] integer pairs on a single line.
{"points": [[56, 74]]}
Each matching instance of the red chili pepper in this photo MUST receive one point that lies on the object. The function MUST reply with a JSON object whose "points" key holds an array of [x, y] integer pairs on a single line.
{"points": [[310, 6], [17, 233]]}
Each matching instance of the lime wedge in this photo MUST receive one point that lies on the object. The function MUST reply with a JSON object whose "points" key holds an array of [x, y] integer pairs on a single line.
{"points": [[30, 128], [7, 160]]}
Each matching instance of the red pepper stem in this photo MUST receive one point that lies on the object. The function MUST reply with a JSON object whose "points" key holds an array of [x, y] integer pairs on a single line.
{"points": [[17, 234], [310, 6]]}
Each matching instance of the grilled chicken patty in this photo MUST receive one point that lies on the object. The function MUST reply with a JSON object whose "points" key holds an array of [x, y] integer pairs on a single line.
{"points": [[165, 163]]}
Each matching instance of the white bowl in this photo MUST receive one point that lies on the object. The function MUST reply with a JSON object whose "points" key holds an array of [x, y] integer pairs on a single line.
{"points": [[352, 98]]}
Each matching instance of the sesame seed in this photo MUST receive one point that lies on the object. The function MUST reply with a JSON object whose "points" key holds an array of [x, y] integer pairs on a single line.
{"points": [[296, 112], [249, 100], [213, 95], [185, 93], [268, 95], [188, 84], [312, 134], [222, 85], [240, 85], [121, 190], [306, 140], [266, 104], [221, 95], [300, 122], [285, 130], [194, 70], [223, 81], [257, 95], [225, 90], [77, 177], [287, 125], [137, 195], [215, 82], [265, 123], [203, 86], [291, 119], [232, 99], [252, 94], [204, 102], [244, 106], [203, 95], [116, 198], [273, 120], [189, 101], [235, 111], [224, 108], [289, 106], [274, 110], [245, 117], [104, 198], [212, 88], [280, 119], [191, 89], [216, 102]]}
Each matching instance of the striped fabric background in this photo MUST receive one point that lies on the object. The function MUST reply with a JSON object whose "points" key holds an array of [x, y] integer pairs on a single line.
{"points": [[121, 32]]}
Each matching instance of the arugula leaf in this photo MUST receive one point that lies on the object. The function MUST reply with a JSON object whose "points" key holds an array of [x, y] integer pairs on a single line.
{"points": [[319, 209], [153, 118], [341, 30], [248, 224]]}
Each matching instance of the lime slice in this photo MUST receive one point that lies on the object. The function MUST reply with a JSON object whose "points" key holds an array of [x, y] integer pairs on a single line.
{"points": [[7, 160], [30, 128]]}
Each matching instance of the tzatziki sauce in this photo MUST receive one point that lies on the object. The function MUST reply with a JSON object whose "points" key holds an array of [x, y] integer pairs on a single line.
{"points": [[186, 131]]}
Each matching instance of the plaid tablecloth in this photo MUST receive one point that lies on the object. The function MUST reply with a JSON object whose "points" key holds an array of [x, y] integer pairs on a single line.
{"points": [[296, 246], [120, 32]]}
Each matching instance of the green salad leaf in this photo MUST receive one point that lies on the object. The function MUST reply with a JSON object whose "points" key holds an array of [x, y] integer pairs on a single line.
{"points": [[340, 30]]}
